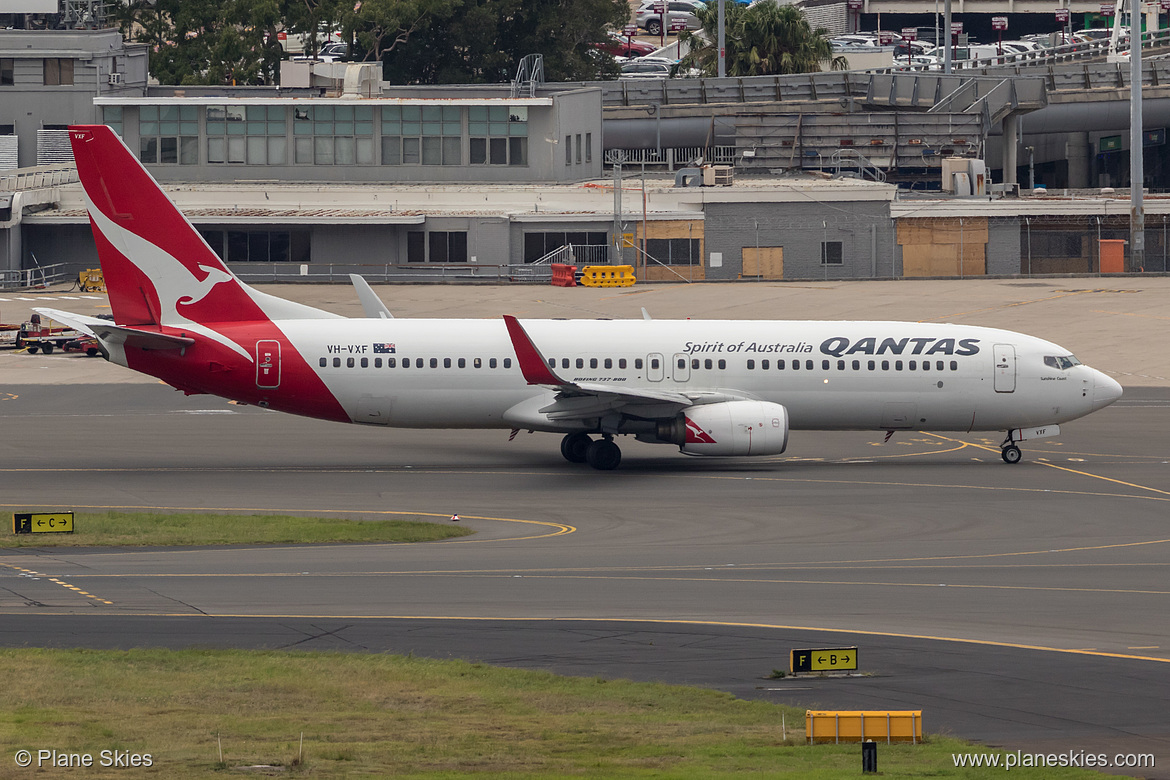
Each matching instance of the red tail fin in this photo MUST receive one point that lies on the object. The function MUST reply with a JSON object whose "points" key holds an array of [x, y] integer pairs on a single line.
{"points": [[157, 267]]}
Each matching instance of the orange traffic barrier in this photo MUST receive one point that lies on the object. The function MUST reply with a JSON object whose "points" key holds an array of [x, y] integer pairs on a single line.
{"points": [[564, 275]]}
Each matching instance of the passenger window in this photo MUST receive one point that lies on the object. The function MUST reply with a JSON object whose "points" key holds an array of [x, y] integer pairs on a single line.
{"points": [[872, 365], [682, 363], [391, 363], [337, 362], [722, 364], [622, 363], [695, 363], [707, 363], [593, 362], [824, 365], [954, 365], [925, 365], [418, 362], [463, 362], [779, 365], [609, 362], [808, 364], [377, 362], [840, 365], [580, 363], [349, 362], [446, 362], [795, 365], [913, 365], [507, 362], [478, 363], [564, 362], [764, 364], [885, 365], [751, 364], [653, 362], [492, 363], [856, 365], [324, 362], [406, 362], [897, 365], [434, 362], [552, 362], [939, 365], [365, 362]]}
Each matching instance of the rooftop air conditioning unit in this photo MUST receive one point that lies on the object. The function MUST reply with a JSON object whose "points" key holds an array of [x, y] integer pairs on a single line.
{"points": [[115, 78]]}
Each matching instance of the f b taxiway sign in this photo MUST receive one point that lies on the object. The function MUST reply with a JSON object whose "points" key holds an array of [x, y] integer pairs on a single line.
{"points": [[832, 659]]}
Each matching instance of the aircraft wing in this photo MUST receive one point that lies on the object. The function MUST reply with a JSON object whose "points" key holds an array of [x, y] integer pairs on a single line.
{"points": [[581, 400], [107, 332]]}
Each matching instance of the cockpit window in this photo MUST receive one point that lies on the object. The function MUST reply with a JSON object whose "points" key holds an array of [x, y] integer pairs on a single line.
{"points": [[1061, 362]]}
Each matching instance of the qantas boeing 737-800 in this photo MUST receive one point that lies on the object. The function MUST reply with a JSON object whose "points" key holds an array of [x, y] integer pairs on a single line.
{"points": [[707, 387]]}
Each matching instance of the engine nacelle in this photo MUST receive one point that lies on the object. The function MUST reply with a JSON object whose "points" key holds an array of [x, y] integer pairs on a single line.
{"points": [[729, 428]]}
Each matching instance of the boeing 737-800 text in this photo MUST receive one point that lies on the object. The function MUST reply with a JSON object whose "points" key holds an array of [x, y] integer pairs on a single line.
{"points": [[707, 387]]}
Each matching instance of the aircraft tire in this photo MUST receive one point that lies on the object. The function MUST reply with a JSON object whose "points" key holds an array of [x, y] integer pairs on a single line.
{"points": [[1011, 454], [603, 455], [575, 446]]}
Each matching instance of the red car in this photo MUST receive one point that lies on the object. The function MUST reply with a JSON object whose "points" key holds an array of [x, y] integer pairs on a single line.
{"points": [[621, 46]]}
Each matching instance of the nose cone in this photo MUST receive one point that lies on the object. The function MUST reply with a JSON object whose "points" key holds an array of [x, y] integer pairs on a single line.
{"points": [[1106, 390]]}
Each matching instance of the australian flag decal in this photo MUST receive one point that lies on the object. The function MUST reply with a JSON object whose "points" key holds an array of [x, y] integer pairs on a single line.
{"points": [[384, 349]]}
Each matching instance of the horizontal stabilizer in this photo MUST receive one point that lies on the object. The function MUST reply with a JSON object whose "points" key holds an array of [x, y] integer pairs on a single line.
{"points": [[108, 333]]}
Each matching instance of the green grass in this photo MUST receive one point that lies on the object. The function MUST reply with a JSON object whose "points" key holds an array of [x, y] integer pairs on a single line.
{"points": [[148, 529], [381, 715]]}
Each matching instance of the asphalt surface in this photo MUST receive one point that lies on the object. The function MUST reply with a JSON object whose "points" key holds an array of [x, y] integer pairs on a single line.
{"points": [[1022, 606]]}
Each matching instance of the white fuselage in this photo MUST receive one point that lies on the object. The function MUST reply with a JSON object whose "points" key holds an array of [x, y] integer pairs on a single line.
{"points": [[850, 375]]}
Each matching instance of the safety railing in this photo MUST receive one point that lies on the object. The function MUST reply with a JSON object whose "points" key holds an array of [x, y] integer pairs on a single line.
{"points": [[259, 273], [30, 278], [37, 177]]}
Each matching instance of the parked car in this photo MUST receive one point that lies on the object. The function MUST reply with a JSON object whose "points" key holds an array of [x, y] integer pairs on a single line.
{"points": [[639, 69], [649, 19], [621, 46]]}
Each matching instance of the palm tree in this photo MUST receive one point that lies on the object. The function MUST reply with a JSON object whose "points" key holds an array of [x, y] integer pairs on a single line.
{"points": [[763, 39]]}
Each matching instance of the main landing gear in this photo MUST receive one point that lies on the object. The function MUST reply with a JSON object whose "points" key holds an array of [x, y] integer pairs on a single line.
{"points": [[1009, 451], [602, 454]]}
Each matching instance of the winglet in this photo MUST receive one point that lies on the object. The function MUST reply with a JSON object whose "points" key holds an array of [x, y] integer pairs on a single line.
{"points": [[532, 363], [371, 303]]}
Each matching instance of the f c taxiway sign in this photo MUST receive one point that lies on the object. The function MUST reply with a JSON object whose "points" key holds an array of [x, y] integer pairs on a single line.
{"points": [[42, 523], [832, 659]]}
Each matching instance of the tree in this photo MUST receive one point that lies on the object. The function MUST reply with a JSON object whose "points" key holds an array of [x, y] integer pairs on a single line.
{"points": [[762, 39]]}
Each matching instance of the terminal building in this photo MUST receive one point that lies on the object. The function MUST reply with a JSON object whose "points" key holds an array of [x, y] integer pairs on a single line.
{"points": [[337, 172]]}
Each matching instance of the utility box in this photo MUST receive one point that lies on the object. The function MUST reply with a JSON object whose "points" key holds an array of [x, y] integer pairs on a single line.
{"points": [[717, 175], [964, 176], [1112, 254]]}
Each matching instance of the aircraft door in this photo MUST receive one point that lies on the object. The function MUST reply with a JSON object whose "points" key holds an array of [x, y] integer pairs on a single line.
{"points": [[268, 364], [682, 367], [1005, 368], [654, 367]]}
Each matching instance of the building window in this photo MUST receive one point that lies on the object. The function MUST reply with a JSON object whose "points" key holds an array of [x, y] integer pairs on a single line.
{"points": [[674, 251], [334, 135], [832, 253], [258, 246], [539, 244], [436, 246], [112, 118], [168, 135], [568, 150], [422, 135], [58, 72], [7, 69], [589, 147], [248, 135], [498, 135], [578, 148]]}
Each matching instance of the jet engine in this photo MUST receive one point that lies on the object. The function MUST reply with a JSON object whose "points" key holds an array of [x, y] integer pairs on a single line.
{"points": [[728, 428]]}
